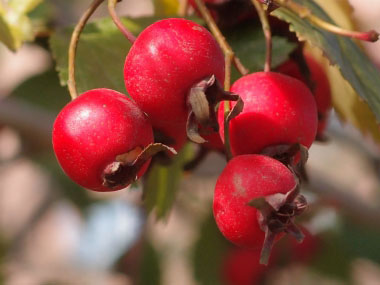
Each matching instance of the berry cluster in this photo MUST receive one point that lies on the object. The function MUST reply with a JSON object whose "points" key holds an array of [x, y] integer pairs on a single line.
{"points": [[104, 140], [174, 71]]}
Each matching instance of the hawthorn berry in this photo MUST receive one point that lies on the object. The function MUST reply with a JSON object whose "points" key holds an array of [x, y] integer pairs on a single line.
{"points": [[278, 110], [320, 87], [245, 181], [167, 59], [241, 267], [98, 135]]}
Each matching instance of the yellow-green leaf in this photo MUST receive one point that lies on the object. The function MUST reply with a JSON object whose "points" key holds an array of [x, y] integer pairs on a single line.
{"points": [[23, 6], [166, 7], [15, 25], [360, 75], [162, 184]]}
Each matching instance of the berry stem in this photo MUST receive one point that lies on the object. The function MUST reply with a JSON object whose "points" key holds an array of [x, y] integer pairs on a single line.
{"points": [[267, 33], [111, 9], [183, 8], [228, 116], [229, 54], [229, 58], [74, 43], [303, 12]]}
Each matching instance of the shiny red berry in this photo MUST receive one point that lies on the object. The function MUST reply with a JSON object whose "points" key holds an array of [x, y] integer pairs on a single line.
{"points": [[94, 131], [278, 109], [165, 61], [320, 86], [245, 178]]}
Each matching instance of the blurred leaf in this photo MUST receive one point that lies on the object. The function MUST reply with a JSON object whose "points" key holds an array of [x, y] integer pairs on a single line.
{"points": [[162, 183], [43, 90], [3, 252], [100, 55], [341, 248], [361, 241], [248, 42], [333, 259], [150, 271], [15, 25], [208, 253], [340, 11], [353, 64], [166, 7], [23, 6]]}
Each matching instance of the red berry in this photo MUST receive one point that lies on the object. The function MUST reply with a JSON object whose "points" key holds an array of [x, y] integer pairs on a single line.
{"points": [[245, 178], [241, 267], [165, 61], [278, 109], [92, 130], [213, 139], [289, 250], [321, 86]]}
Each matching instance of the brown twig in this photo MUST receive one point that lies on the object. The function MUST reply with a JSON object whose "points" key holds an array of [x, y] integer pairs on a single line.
{"points": [[303, 12], [228, 52], [267, 33], [111, 9], [74, 43], [183, 8]]}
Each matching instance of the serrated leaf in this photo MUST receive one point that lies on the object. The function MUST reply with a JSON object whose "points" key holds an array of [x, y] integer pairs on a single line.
{"points": [[100, 55], [162, 184], [347, 104], [342, 52], [248, 43], [166, 7], [208, 253]]}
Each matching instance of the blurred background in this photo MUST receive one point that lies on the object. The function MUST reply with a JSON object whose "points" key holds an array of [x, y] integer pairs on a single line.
{"points": [[54, 232]]}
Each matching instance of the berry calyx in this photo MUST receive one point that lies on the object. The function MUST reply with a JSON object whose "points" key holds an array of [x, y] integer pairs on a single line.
{"points": [[256, 199], [170, 60], [99, 134], [278, 110]]}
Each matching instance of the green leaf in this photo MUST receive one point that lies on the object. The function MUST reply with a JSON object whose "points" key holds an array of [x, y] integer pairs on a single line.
{"points": [[208, 253], [161, 186], [44, 91], [150, 271], [166, 7], [333, 259], [100, 55], [361, 241], [248, 43], [353, 64]]}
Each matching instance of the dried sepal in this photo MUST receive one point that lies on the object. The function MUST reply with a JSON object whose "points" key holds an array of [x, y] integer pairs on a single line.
{"points": [[202, 100], [276, 215], [123, 171]]}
